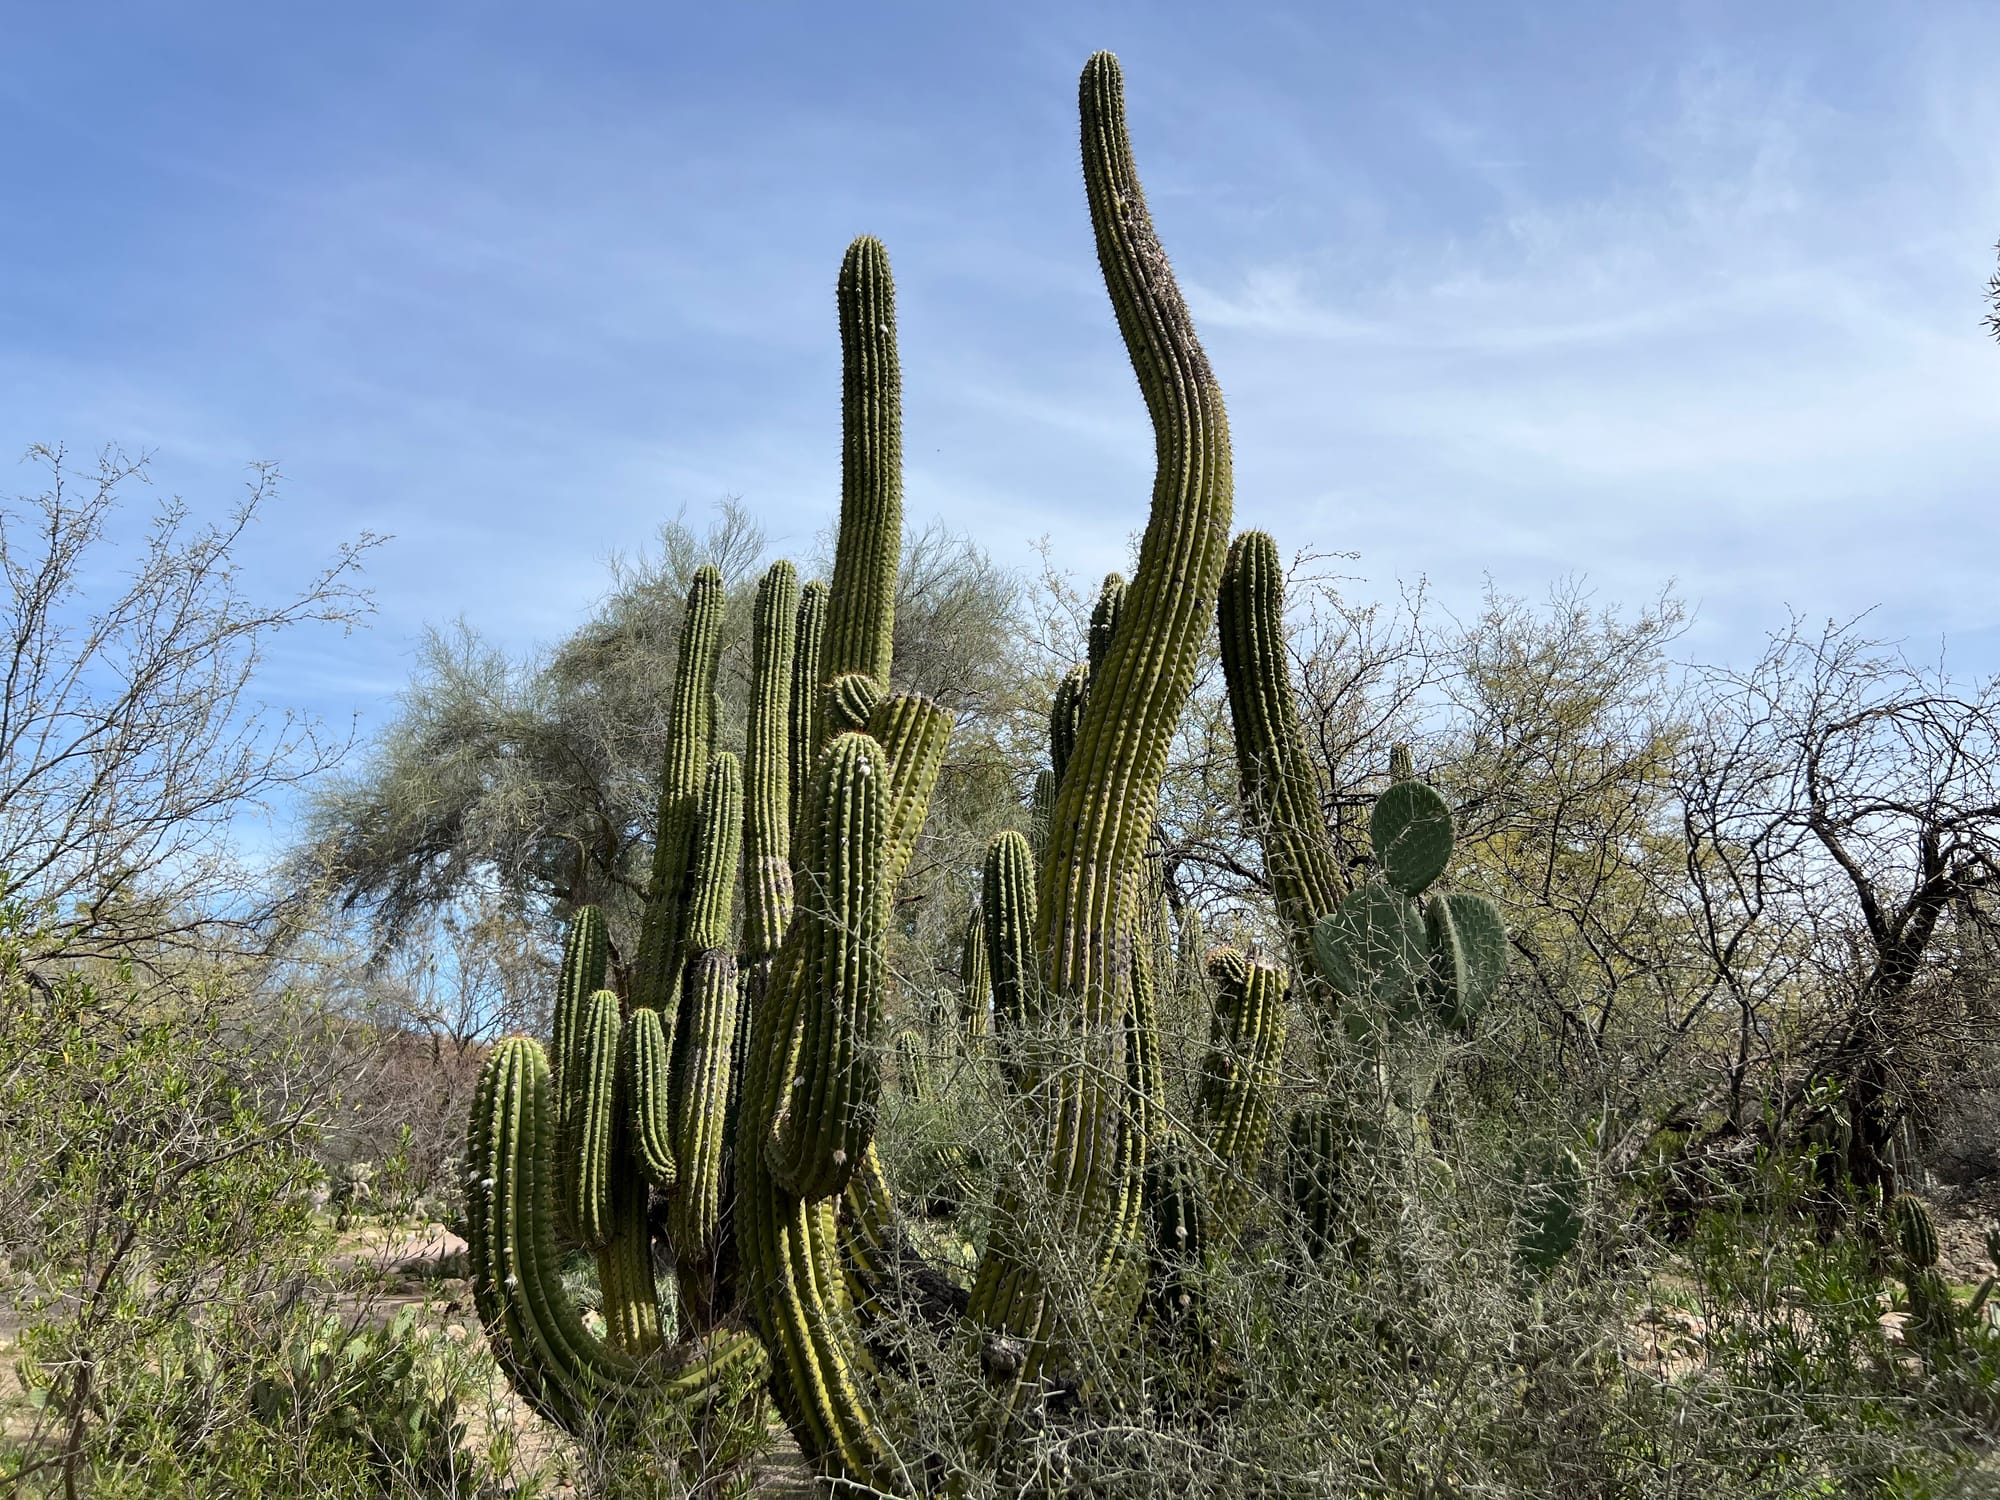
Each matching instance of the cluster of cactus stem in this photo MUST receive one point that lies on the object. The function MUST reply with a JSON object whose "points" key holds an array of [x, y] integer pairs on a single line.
{"points": [[722, 1109]]}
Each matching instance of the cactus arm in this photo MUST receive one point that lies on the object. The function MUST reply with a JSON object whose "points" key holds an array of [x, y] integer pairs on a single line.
{"points": [[1239, 1079], [767, 822], [1065, 715], [589, 1147], [711, 887], [1105, 805], [975, 977], [1007, 903], [645, 1081], [861, 615], [1104, 617], [837, 1082], [803, 716], [1280, 788], [690, 725], [585, 948], [694, 1213], [913, 733]]}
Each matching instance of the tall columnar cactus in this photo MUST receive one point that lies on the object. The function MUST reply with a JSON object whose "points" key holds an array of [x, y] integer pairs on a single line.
{"points": [[1105, 804], [861, 617], [1007, 906], [1280, 788], [767, 769], [975, 975], [1239, 1076], [803, 716], [690, 729]]}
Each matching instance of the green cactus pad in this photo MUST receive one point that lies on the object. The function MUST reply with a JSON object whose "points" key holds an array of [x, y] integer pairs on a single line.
{"points": [[1549, 1209], [1412, 833], [1468, 956], [1372, 946]]}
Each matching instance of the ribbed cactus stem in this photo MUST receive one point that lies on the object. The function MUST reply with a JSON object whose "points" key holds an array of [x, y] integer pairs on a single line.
{"points": [[718, 847], [975, 977], [767, 821], [700, 1120], [803, 717], [1104, 617], [914, 734], [645, 1079], [829, 1114], [1041, 806], [1105, 805], [590, 1141], [690, 726], [1402, 764], [1065, 715], [585, 949], [1239, 1077], [1007, 905], [1280, 787], [861, 616]]}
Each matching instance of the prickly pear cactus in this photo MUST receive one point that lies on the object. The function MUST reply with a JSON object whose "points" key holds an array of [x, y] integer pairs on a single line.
{"points": [[1394, 955]]}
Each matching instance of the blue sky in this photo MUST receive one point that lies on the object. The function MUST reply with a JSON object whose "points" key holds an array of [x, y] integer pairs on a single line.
{"points": [[1635, 291]]}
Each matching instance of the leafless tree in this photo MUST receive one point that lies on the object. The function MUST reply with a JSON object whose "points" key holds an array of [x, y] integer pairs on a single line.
{"points": [[129, 739]]}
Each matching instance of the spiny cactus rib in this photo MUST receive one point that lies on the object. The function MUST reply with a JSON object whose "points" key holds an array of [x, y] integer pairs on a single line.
{"points": [[694, 1214], [1105, 805], [803, 719], [1412, 834], [644, 1073], [975, 978], [718, 846], [860, 625], [1239, 1077], [1007, 904], [767, 822], [690, 726], [1916, 1230], [1065, 714], [844, 904], [1280, 787], [1402, 764], [566, 1374], [850, 702], [1104, 617], [593, 1128]]}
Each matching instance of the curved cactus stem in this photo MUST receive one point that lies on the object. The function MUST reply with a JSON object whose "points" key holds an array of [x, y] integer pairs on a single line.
{"points": [[861, 618], [645, 1074], [844, 911], [767, 821], [1239, 1077], [914, 734], [572, 1378], [690, 727], [803, 716], [850, 702], [1281, 796], [1105, 805], [694, 1213]]}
